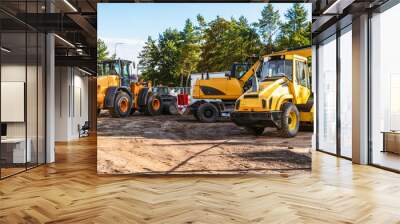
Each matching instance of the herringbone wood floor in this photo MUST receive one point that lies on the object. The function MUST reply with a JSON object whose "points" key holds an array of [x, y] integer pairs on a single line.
{"points": [[70, 191]]}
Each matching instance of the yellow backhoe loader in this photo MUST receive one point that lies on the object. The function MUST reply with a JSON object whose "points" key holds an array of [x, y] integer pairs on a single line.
{"points": [[121, 93], [282, 98], [216, 96]]}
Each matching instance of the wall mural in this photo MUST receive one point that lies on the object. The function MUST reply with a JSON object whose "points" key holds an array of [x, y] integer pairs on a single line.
{"points": [[204, 89]]}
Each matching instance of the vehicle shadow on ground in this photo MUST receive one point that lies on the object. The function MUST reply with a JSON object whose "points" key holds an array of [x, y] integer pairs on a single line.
{"points": [[171, 127], [282, 155]]}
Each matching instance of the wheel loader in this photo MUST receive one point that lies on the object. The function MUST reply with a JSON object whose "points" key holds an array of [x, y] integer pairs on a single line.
{"points": [[216, 96], [121, 93], [282, 97]]}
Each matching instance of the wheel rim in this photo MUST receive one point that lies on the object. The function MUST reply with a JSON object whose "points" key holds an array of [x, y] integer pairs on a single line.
{"points": [[124, 105], [208, 113], [292, 120], [156, 104]]}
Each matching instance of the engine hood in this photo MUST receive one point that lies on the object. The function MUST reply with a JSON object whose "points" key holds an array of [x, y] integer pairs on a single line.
{"points": [[261, 99], [268, 86]]}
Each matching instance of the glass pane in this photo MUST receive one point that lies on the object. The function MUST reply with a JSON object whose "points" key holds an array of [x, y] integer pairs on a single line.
{"points": [[327, 95], [346, 93], [385, 84], [13, 86]]}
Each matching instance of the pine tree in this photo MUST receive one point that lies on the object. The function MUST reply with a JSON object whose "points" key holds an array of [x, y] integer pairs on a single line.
{"points": [[190, 52], [102, 51], [148, 59], [268, 26], [296, 31]]}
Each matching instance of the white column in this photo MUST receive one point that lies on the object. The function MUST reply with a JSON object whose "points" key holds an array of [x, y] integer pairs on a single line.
{"points": [[314, 90], [50, 99], [360, 90]]}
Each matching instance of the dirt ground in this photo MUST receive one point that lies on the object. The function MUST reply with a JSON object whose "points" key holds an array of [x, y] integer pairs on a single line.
{"points": [[178, 144]]}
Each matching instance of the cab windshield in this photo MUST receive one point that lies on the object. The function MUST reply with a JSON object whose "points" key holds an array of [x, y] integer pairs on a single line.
{"points": [[121, 68], [276, 68], [110, 68], [238, 70]]}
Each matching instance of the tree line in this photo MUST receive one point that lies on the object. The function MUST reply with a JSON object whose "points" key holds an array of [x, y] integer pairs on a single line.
{"points": [[212, 46]]}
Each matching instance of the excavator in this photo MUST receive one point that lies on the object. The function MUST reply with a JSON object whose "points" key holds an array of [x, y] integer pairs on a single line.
{"points": [[282, 97], [216, 96], [121, 93]]}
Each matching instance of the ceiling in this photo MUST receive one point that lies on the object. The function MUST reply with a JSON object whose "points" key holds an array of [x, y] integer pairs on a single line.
{"points": [[73, 21]]}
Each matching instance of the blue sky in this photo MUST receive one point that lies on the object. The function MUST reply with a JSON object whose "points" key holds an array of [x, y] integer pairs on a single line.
{"points": [[131, 23]]}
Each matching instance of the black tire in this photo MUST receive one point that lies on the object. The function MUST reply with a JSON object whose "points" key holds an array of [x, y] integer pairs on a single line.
{"points": [[122, 105], [165, 107], [207, 113], [142, 110], [195, 115], [143, 96], [255, 130], [154, 106], [288, 128], [173, 109]]}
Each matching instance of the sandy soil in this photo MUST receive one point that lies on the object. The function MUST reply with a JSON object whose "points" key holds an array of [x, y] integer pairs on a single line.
{"points": [[180, 145]]}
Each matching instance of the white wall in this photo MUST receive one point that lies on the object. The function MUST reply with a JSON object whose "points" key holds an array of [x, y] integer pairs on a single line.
{"points": [[71, 102]]}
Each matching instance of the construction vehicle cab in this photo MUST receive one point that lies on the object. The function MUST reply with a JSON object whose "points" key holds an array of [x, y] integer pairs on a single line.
{"points": [[216, 96], [282, 98]]}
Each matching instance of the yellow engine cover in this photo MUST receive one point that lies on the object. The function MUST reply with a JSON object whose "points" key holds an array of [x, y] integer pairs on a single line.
{"points": [[103, 83], [217, 88]]}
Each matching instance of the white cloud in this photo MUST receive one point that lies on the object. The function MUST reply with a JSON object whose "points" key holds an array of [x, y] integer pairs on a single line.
{"points": [[129, 50]]}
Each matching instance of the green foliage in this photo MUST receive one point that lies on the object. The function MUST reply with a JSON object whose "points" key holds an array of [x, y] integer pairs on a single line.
{"points": [[226, 42], [113, 56], [160, 59], [268, 26], [102, 51], [296, 31], [149, 59], [215, 45], [190, 51]]}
